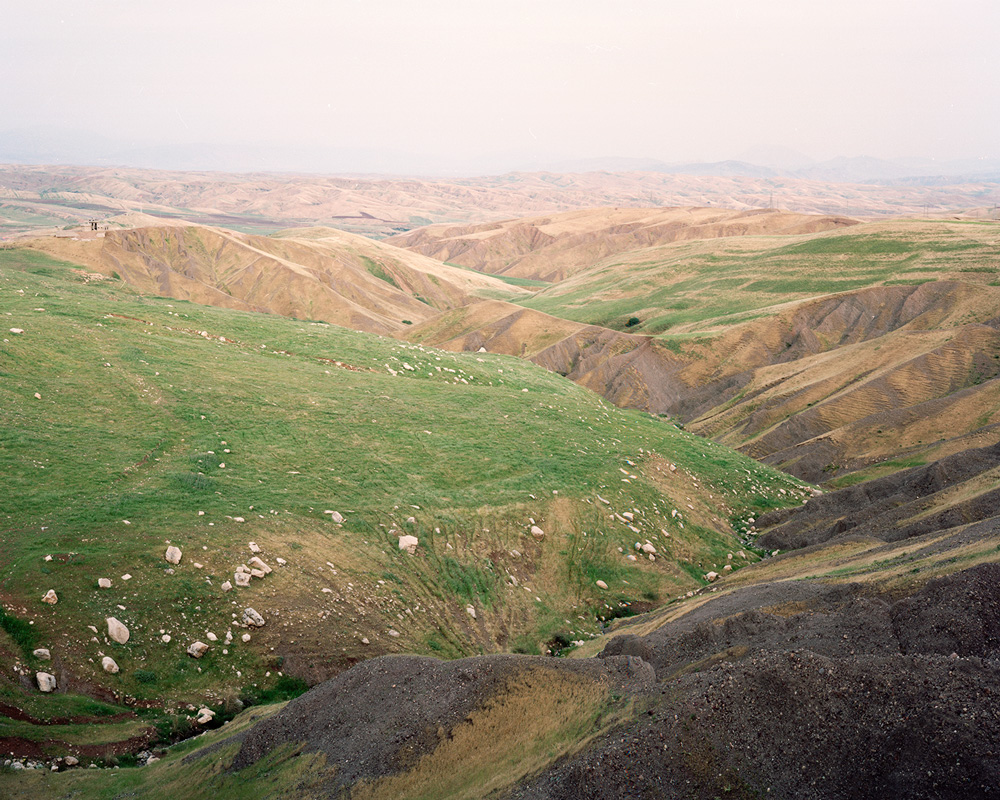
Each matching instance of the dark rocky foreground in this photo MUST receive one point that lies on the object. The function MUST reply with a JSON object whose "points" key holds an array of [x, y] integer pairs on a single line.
{"points": [[792, 691]]}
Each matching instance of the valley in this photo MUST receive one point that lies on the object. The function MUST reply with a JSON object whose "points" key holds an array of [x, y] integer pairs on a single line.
{"points": [[738, 467]]}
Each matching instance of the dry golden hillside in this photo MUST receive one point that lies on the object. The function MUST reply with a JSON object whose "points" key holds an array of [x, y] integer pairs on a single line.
{"points": [[553, 247], [339, 277]]}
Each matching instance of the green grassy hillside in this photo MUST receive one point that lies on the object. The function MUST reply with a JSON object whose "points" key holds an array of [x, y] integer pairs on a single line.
{"points": [[130, 423]]}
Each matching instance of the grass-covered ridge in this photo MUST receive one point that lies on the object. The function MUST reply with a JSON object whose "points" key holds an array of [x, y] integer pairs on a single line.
{"points": [[160, 421], [679, 286]]}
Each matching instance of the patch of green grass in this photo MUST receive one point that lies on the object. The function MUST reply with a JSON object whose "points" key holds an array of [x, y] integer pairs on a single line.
{"points": [[20, 631], [376, 269]]}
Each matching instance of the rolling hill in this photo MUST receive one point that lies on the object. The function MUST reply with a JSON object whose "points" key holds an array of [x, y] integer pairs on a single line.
{"points": [[134, 423]]}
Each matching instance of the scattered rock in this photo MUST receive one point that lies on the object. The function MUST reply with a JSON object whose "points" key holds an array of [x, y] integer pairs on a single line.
{"points": [[197, 649], [727, 568], [408, 543], [648, 549], [711, 576], [259, 564], [242, 578], [537, 533], [245, 637], [126, 577], [104, 583], [227, 587], [173, 555], [117, 631], [71, 761], [336, 516], [17, 330], [50, 597], [471, 611], [602, 585], [252, 619], [205, 715], [254, 547], [108, 665], [411, 520], [165, 638], [281, 561], [42, 653], [211, 637], [46, 681], [394, 633], [257, 573]]}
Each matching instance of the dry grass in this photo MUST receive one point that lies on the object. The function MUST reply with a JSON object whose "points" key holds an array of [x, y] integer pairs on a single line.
{"points": [[542, 715]]}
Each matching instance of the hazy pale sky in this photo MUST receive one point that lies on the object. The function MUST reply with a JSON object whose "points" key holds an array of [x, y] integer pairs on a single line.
{"points": [[464, 79]]}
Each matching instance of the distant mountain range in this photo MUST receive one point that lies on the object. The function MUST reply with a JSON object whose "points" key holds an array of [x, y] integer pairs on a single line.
{"points": [[59, 146]]}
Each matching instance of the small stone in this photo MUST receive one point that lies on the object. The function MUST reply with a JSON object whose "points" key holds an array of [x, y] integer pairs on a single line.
{"points": [[364, 640], [50, 597], [257, 573], [393, 633], [281, 561], [197, 649], [42, 653], [245, 637], [38, 396], [108, 665], [71, 761], [173, 555], [46, 681], [254, 547], [242, 578], [602, 585], [117, 631], [165, 638], [211, 637], [17, 330], [537, 533], [711, 576], [649, 549], [126, 577], [227, 587], [727, 568], [336, 516], [104, 583], [408, 543], [471, 611]]}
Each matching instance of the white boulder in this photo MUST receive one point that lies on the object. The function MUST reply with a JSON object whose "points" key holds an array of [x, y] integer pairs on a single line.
{"points": [[242, 578], [259, 564], [197, 649], [602, 585], [173, 555], [117, 631], [537, 533], [104, 583], [252, 619], [46, 681], [42, 653], [408, 543], [108, 665], [50, 597]]}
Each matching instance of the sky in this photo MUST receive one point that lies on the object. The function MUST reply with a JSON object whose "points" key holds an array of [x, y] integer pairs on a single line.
{"points": [[464, 82]]}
